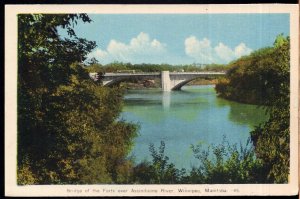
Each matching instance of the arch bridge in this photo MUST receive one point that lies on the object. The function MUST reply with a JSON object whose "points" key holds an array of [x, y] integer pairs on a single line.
{"points": [[169, 80]]}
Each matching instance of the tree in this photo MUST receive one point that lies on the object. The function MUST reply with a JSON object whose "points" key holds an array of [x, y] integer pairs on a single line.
{"points": [[225, 163], [93, 61], [218, 164], [272, 139], [67, 127], [159, 171], [263, 78]]}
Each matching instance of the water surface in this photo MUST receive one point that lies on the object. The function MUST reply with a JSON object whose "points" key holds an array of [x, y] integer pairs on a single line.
{"points": [[191, 116]]}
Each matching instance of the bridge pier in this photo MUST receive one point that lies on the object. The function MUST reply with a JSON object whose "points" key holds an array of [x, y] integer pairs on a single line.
{"points": [[165, 81]]}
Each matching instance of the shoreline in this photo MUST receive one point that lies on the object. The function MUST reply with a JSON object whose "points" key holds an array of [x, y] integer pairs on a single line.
{"points": [[156, 84]]}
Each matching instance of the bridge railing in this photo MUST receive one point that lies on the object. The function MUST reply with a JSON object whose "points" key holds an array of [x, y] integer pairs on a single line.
{"points": [[200, 72], [158, 73], [131, 74]]}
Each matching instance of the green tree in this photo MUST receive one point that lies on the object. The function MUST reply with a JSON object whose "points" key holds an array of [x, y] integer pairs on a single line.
{"points": [[225, 163], [159, 171], [263, 78], [218, 164], [272, 139], [280, 40], [67, 127]]}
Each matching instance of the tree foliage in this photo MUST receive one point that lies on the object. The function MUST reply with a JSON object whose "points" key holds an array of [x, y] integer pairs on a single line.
{"points": [[272, 139], [218, 164], [159, 171], [263, 78], [260, 77], [67, 127], [226, 163]]}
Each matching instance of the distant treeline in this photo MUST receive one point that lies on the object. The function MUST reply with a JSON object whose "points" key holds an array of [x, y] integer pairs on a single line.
{"points": [[119, 66]]}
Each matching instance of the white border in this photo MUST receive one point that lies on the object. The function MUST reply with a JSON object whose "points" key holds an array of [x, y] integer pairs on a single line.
{"points": [[11, 189]]}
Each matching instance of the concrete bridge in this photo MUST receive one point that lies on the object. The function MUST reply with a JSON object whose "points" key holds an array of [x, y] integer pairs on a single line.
{"points": [[169, 80]]}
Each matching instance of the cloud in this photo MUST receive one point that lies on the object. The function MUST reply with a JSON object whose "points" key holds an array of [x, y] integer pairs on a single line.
{"points": [[242, 50], [140, 49], [224, 52], [202, 51], [98, 53], [143, 49]]}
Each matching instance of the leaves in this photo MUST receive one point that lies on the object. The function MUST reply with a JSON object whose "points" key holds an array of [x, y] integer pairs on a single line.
{"points": [[218, 164], [67, 127], [263, 78], [159, 171]]}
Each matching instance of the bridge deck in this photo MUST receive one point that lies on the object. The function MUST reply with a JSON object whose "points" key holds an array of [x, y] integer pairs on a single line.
{"points": [[158, 74], [130, 74]]}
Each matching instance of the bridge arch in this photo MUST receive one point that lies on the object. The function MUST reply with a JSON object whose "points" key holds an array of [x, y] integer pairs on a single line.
{"points": [[181, 84], [177, 85]]}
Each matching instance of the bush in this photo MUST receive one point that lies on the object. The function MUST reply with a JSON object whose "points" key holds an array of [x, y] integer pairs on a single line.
{"points": [[219, 164]]}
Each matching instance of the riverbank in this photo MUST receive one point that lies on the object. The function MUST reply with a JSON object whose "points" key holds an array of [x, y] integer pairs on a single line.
{"points": [[155, 83], [141, 84], [203, 82]]}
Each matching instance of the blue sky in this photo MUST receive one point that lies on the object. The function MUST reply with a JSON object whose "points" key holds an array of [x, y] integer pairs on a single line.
{"points": [[180, 38]]}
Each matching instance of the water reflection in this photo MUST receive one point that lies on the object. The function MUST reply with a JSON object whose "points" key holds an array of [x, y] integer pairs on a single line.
{"points": [[243, 114], [182, 118], [166, 100], [155, 105]]}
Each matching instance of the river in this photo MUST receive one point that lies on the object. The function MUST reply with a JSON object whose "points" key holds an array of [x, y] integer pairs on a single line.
{"points": [[194, 115]]}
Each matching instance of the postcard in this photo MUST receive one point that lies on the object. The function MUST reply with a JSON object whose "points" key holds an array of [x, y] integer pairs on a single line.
{"points": [[151, 100]]}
